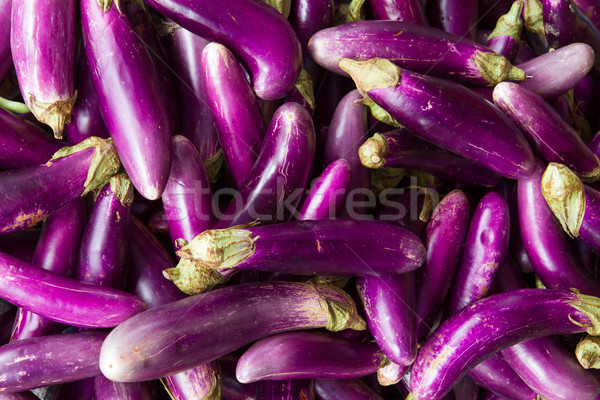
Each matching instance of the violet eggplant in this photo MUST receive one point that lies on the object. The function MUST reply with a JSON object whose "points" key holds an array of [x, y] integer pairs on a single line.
{"points": [[187, 199], [232, 388], [202, 382], [279, 176], [265, 41], [415, 47], [391, 373], [32, 363], [106, 389], [235, 110], [161, 341], [31, 194], [496, 322], [307, 355], [325, 197], [411, 11], [320, 247], [6, 63], [545, 130], [505, 37], [446, 114], [42, 42], [287, 390], [344, 389], [308, 17], [141, 135], [456, 17], [401, 149]]}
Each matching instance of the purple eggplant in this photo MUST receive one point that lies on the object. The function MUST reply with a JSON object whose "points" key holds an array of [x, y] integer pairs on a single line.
{"points": [[344, 389], [325, 197], [287, 390], [591, 8], [308, 17], [391, 373], [31, 194], [320, 247], [6, 63], [201, 328], [187, 199], [232, 388], [265, 42], [496, 322], [235, 110], [401, 149], [108, 390], [202, 382], [414, 47], [505, 37], [42, 41], [456, 17], [411, 11], [83, 389], [141, 134]]}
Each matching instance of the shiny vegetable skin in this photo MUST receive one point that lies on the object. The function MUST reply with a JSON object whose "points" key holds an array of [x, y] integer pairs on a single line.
{"points": [[201, 328], [141, 135], [6, 63], [306, 355], [344, 389], [265, 42], [326, 196], [418, 48], [287, 390], [496, 322], [310, 16], [411, 11], [32, 363], [457, 17], [506, 36], [108, 390]]}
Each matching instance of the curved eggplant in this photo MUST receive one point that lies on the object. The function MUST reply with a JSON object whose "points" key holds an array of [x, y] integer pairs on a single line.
{"points": [[325, 197], [411, 11], [310, 16]]}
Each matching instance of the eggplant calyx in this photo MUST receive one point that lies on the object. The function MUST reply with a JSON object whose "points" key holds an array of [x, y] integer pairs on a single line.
{"points": [[346, 13], [373, 152], [213, 165], [390, 373], [341, 314], [590, 306], [55, 114], [588, 352], [283, 6], [510, 24], [565, 195], [304, 85], [193, 278], [533, 17], [122, 188], [376, 73], [380, 113], [496, 68]]}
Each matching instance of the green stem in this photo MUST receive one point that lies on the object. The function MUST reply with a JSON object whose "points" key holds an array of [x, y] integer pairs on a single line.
{"points": [[14, 106]]}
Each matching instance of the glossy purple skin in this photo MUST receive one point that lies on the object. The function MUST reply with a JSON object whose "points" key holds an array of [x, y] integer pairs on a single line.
{"points": [[496, 375], [49, 360], [108, 390], [141, 135], [457, 17], [389, 304], [307, 355], [325, 197], [310, 16], [486, 249], [161, 341], [506, 45], [187, 199], [194, 383], [551, 74], [588, 232], [444, 237], [411, 11], [418, 48], [283, 166], [21, 244], [344, 389], [287, 390], [554, 259], [406, 150], [495, 322], [56, 251], [198, 124], [24, 144], [458, 120], [265, 42], [235, 110], [6, 63], [549, 135]]}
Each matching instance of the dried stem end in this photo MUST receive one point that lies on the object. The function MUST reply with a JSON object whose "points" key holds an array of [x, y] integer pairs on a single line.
{"points": [[510, 24], [496, 68], [376, 73], [55, 114], [121, 186], [340, 308], [588, 352], [373, 152], [590, 306]]}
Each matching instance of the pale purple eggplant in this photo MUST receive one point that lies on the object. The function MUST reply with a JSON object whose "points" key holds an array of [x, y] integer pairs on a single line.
{"points": [[33, 363], [447, 114], [456, 17], [411, 11], [444, 237], [549, 135], [287, 390], [272, 190], [187, 199], [235, 110], [505, 37], [31, 194], [265, 42], [141, 134], [106, 389], [307, 355], [325, 247], [401, 149], [42, 41], [201, 328], [418, 48], [344, 389], [6, 63], [496, 322], [308, 17], [326, 195]]}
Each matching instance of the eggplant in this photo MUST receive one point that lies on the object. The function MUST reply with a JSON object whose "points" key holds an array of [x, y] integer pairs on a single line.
{"points": [[287, 390], [106, 389], [417, 48], [202, 382], [457, 17], [141, 135], [411, 11], [201, 328], [591, 8], [232, 388], [235, 110], [344, 389], [505, 37], [42, 42], [308, 17], [265, 42], [446, 114], [325, 197], [83, 389], [6, 63], [31, 194], [319, 247]]}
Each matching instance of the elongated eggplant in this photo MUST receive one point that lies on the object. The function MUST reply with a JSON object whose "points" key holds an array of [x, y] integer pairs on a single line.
{"points": [[265, 41], [235, 110], [344, 389], [496, 322], [505, 37], [411, 11], [334, 247], [446, 114], [415, 47], [287, 390], [201, 328], [31, 194], [141, 135], [6, 63], [327, 193], [106, 389], [456, 17], [310, 16], [202, 382], [42, 41]]}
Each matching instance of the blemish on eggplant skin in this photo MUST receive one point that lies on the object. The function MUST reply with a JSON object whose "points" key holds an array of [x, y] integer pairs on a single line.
{"points": [[24, 220]]}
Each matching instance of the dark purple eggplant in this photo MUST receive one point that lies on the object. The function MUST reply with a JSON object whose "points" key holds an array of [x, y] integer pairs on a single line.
{"points": [[411, 11], [6, 63], [326, 195], [456, 17], [505, 37], [344, 389], [308, 17], [303, 389], [319, 247]]}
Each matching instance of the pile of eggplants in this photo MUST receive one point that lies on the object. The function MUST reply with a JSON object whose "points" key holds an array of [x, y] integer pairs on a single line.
{"points": [[300, 199]]}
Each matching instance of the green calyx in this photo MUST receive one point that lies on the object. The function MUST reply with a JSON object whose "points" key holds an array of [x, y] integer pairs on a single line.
{"points": [[304, 84], [352, 12], [373, 151], [590, 306], [55, 114], [106, 4], [510, 24], [588, 352], [121, 186], [380, 113], [496, 68], [533, 17], [283, 6], [213, 165], [341, 314], [385, 178], [376, 73]]}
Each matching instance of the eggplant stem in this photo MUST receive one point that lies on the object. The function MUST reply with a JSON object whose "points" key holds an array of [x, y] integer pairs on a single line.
{"points": [[14, 106]]}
